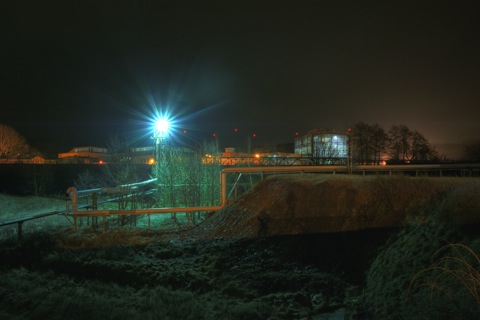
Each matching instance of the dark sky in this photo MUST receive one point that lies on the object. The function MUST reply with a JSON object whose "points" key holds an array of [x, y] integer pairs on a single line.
{"points": [[77, 72]]}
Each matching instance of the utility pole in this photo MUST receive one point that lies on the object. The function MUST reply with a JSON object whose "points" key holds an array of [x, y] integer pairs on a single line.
{"points": [[160, 134], [350, 158]]}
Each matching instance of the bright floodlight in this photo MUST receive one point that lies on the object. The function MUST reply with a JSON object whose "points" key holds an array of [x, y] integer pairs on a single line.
{"points": [[161, 127]]}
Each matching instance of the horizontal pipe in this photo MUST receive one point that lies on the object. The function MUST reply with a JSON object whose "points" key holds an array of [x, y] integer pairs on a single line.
{"points": [[266, 169], [141, 183], [114, 189], [38, 216], [402, 167], [146, 211]]}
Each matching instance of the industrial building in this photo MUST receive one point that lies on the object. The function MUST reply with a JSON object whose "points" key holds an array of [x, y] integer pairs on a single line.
{"points": [[316, 147], [323, 146]]}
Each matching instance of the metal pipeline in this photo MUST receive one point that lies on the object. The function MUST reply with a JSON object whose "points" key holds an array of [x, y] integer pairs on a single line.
{"points": [[256, 170], [72, 194]]}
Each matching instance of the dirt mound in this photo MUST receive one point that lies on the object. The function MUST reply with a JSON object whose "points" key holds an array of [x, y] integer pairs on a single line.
{"points": [[303, 204]]}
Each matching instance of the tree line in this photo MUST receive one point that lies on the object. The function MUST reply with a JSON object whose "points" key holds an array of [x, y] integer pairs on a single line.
{"points": [[372, 144], [12, 143]]}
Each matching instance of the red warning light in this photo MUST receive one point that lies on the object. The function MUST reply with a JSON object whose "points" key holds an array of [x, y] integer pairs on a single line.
{"points": [[214, 135], [296, 134], [184, 131], [254, 135], [235, 130]]}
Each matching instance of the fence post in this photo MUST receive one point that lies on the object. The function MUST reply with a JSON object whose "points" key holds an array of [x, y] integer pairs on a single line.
{"points": [[19, 230], [94, 201]]}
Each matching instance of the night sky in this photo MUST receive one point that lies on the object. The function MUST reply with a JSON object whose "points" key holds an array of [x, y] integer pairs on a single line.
{"points": [[75, 73]]}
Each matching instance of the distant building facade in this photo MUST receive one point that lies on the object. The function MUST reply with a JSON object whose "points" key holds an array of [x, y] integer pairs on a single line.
{"points": [[143, 155], [85, 155], [323, 146]]}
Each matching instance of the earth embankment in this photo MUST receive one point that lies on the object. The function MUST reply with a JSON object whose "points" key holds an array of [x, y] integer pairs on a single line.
{"points": [[305, 204]]}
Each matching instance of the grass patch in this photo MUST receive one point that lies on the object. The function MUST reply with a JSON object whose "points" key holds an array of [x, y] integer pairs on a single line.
{"points": [[42, 278]]}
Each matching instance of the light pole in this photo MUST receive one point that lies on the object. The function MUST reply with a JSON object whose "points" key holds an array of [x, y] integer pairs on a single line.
{"points": [[160, 134]]}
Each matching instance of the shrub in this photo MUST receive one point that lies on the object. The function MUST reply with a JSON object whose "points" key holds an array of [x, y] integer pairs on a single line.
{"points": [[408, 277], [454, 274]]}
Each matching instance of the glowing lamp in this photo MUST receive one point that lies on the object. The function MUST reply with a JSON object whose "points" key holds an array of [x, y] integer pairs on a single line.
{"points": [[161, 127]]}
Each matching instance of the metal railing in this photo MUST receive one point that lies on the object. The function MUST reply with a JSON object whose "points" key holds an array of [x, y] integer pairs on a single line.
{"points": [[20, 222]]}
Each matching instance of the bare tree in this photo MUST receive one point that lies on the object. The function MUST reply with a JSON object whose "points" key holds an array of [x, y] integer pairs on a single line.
{"points": [[409, 146], [369, 142], [88, 180], [12, 144], [421, 150], [472, 151], [325, 150], [400, 137], [40, 178], [379, 142], [119, 169], [361, 148], [167, 172], [210, 176], [183, 179]]}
